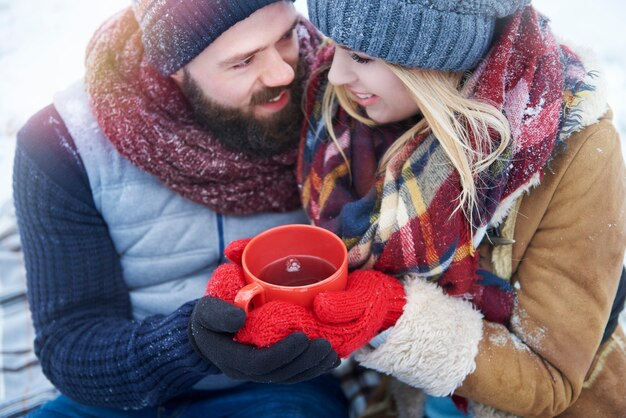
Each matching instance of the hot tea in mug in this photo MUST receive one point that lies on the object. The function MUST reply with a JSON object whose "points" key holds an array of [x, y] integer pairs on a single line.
{"points": [[292, 263], [297, 270]]}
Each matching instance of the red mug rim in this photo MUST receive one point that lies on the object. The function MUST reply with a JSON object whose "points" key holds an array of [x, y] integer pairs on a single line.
{"points": [[278, 229]]}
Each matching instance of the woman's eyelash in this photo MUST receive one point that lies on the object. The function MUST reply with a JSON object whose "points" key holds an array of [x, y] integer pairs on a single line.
{"points": [[359, 59]]}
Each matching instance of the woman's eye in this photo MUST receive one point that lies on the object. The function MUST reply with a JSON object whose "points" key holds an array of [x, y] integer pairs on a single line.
{"points": [[288, 35], [359, 59]]}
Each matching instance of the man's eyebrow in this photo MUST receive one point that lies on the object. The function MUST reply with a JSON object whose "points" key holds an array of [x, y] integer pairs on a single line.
{"points": [[240, 57]]}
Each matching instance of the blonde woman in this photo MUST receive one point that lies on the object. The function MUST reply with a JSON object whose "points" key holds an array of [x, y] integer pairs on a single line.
{"points": [[458, 146]]}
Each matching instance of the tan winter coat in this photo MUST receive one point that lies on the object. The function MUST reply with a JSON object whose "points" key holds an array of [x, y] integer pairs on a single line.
{"points": [[570, 235]]}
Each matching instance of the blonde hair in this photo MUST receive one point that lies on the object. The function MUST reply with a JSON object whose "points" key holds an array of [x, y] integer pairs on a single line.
{"points": [[462, 125]]}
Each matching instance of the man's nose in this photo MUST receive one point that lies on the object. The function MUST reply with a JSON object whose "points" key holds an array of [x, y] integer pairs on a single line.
{"points": [[278, 72]]}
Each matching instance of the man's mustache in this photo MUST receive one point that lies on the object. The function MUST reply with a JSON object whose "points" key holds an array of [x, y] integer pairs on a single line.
{"points": [[265, 95]]}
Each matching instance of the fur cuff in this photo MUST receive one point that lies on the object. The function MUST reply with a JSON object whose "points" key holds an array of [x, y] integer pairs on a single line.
{"points": [[434, 343]]}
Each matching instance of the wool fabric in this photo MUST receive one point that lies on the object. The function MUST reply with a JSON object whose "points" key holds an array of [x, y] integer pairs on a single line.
{"points": [[371, 303], [448, 35], [174, 32]]}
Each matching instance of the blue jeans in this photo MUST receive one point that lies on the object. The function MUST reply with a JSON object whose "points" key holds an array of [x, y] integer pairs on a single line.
{"points": [[320, 397], [443, 407]]}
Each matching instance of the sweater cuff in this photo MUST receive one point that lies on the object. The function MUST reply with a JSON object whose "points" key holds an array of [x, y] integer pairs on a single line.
{"points": [[380, 338], [433, 345]]}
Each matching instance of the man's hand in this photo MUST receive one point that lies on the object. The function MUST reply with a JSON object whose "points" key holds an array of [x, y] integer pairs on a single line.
{"points": [[291, 360]]}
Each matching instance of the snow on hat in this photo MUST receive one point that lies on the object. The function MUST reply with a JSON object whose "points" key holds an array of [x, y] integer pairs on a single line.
{"points": [[448, 35], [175, 31]]}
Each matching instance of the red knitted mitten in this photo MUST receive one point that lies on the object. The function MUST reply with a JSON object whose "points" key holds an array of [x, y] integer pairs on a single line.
{"points": [[234, 250], [395, 310], [347, 319], [349, 305], [371, 303], [226, 281], [228, 278]]}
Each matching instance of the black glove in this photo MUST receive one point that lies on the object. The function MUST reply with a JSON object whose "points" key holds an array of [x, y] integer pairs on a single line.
{"points": [[291, 360]]}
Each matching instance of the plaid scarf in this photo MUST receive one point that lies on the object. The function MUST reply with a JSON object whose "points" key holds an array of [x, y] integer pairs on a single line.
{"points": [[404, 221], [148, 120]]}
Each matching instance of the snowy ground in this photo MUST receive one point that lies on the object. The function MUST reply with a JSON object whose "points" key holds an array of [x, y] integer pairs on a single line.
{"points": [[42, 44]]}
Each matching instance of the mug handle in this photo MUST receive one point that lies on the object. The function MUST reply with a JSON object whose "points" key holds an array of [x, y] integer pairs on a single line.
{"points": [[246, 294]]}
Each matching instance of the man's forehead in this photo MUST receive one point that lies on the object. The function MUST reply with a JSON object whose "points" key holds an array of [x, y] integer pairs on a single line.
{"points": [[263, 28]]}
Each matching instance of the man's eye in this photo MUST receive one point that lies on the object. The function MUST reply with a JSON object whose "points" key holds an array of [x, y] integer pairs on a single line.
{"points": [[243, 63], [359, 59]]}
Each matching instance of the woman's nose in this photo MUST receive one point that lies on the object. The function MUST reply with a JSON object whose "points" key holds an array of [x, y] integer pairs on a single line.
{"points": [[340, 70]]}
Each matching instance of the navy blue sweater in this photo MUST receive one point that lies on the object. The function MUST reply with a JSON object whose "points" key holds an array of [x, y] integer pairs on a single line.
{"points": [[89, 346]]}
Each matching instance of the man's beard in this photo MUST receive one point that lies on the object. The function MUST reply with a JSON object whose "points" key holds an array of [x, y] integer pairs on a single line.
{"points": [[239, 129]]}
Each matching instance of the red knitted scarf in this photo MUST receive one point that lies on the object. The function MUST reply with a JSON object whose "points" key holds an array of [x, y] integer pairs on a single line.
{"points": [[148, 120]]}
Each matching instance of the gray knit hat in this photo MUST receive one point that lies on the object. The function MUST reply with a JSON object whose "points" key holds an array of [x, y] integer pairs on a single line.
{"points": [[175, 31], [449, 35]]}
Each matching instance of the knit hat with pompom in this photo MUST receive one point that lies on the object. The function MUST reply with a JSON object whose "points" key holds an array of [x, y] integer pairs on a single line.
{"points": [[175, 31]]}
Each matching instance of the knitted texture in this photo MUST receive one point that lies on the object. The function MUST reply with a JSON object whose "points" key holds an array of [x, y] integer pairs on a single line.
{"points": [[348, 319], [149, 121], [89, 346], [432, 34], [234, 250], [174, 32], [225, 282], [351, 305], [406, 223], [371, 303]]}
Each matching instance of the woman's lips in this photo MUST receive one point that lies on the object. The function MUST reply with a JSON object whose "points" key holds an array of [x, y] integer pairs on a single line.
{"points": [[364, 99]]}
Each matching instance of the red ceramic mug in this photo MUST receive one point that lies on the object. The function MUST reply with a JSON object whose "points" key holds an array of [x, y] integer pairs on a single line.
{"points": [[292, 263]]}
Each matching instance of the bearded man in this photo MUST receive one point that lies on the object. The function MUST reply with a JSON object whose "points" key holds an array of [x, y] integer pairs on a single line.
{"points": [[180, 139]]}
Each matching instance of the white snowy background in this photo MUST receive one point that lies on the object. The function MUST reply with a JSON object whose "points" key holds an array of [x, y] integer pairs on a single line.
{"points": [[42, 44]]}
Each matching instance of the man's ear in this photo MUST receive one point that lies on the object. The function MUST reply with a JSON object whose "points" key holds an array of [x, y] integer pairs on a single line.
{"points": [[178, 76]]}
